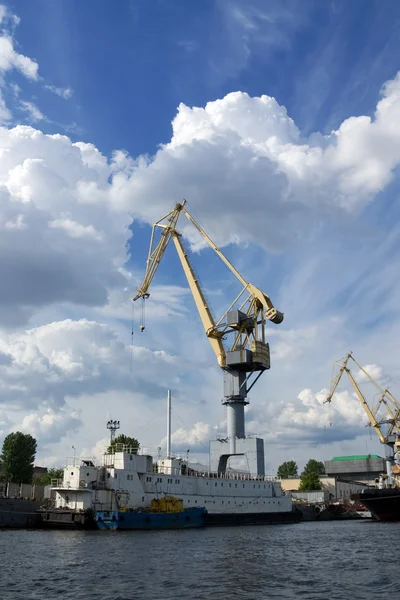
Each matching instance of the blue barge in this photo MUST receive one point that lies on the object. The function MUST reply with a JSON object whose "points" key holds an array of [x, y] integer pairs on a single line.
{"points": [[142, 519]]}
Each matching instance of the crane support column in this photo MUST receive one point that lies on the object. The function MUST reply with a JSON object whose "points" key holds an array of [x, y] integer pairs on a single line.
{"points": [[235, 423]]}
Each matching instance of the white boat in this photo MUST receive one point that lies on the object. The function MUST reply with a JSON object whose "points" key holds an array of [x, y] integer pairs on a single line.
{"points": [[127, 480]]}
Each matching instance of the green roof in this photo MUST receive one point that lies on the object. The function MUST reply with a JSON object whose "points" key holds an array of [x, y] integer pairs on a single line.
{"points": [[356, 457]]}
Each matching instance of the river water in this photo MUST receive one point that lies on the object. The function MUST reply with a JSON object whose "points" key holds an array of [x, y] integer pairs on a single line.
{"points": [[324, 561]]}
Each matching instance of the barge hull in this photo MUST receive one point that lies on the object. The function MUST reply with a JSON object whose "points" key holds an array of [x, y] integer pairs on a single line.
{"points": [[18, 513], [142, 520], [217, 519]]}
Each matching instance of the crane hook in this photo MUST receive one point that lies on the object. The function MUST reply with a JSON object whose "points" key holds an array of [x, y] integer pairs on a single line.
{"points": [[142, 315]]}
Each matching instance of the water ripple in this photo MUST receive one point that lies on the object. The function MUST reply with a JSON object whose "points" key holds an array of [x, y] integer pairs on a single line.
{"points": [[311, 561]]}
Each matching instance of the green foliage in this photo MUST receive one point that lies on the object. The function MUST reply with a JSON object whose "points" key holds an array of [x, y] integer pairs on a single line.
{"points": [[17, 457], [309, 479], [309, 482], [287, 469], [314, 466], [46, 478], [127, 441]]}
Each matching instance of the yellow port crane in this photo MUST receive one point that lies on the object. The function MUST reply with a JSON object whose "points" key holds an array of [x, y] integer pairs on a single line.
{"points": [[384, 417], [248, 356]]}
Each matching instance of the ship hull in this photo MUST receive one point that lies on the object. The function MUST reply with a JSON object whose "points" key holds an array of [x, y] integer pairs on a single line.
{"points": [[384, 505], [142, 520], [272, 518], [68, 519], [17, 513]]}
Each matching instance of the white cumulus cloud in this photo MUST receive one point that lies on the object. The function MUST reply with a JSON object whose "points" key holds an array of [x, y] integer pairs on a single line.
{"points": [[62, 236], [374, 371], [247, 170]]}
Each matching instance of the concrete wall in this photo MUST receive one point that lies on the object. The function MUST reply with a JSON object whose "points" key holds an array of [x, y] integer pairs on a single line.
{"points": [[24, 490]]}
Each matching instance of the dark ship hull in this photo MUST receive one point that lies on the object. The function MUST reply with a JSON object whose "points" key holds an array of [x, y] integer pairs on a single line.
{"points": [[384, 505], [19, 512]]}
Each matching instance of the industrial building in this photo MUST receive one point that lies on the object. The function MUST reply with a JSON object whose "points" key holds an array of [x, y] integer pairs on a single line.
{"points": [[332, 489], [344, 475], [364, 468]]}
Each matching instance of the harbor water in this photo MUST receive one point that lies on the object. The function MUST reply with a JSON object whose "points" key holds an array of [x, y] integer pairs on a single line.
{"points": [[314, 560]]}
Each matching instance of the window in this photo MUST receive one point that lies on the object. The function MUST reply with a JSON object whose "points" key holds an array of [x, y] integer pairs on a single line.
{"points": [[130, 456], [230, 485], [243, 485], [215, 484], [72, 472], [235, 484], [222, 485], [115, 475]]}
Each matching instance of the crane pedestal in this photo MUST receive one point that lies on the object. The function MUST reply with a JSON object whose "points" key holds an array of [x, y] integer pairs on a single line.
{"points": [[252, 448]]}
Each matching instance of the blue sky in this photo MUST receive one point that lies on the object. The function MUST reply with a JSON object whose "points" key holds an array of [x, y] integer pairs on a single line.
{"points": [[308, 215], [130, 68]]}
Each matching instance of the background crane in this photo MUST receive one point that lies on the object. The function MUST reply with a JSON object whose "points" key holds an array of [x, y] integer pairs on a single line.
{"points": [[247, 356], [384, 416]]}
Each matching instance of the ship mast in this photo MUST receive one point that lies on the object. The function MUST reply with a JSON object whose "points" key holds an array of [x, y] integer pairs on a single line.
{"points": [[169, 424]]}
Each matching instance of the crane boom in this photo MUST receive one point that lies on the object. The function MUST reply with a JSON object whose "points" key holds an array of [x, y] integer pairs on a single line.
{"points": [[155, 255], [201, 303], [335, 382]]}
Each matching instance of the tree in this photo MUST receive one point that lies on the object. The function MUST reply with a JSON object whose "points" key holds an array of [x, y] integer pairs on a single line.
{"points": [[46, 478], [287, 469], [309, 479], [314, 466], [17, 457], [309, 482], [126, 441]]}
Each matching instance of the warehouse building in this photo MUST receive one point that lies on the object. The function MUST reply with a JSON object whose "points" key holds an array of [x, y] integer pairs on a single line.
{"points": [[365, 468]]}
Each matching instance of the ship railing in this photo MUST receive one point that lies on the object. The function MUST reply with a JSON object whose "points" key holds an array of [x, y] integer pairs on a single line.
{"points": [[69, 486], [56, 482], [178, 472], [128, 449]]}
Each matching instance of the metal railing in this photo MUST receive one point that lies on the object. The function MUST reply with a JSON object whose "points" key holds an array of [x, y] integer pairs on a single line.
{"points": [[122, 448], [179, 472]]}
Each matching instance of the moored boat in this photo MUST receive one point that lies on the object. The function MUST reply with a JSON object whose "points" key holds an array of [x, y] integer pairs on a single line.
{"points": [[166, 513], [383, 504]]}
